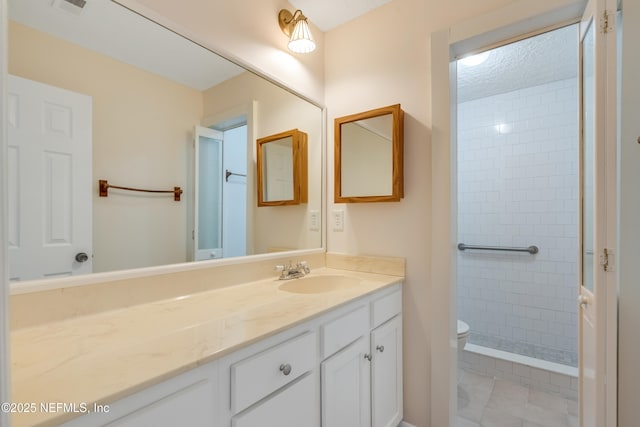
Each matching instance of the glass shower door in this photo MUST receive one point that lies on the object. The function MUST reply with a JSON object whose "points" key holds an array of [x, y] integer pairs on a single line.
{"points": [[207, 233]]}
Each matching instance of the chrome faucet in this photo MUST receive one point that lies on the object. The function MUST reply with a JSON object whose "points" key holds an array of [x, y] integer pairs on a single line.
{"points": [[291, 271]]}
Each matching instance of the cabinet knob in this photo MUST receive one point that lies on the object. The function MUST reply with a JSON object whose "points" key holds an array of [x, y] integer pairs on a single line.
{"points": [[367, 356], [285, 369], [380, 348]]}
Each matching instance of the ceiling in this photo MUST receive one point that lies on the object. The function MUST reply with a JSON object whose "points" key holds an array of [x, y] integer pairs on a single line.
{"points": [[328, 14], [112, 30], [530, 62], [544, 58]]}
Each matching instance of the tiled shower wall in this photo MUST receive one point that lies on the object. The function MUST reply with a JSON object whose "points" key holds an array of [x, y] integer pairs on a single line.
{"points": [[518, 186]]}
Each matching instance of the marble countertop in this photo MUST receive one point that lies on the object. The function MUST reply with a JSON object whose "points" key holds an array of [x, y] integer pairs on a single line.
{"points": [[103, 357]]}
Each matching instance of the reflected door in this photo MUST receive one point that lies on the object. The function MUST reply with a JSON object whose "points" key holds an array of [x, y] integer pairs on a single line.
{"points": [[207, 234], [598, 148], [49, 181]]}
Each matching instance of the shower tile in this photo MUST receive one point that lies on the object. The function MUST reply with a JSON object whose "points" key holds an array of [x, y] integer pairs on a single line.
{"points": [[540, 375], [548, 401], [486, 401], [493, 417], [463, 422], [522, 370], [474, 391], [504, 366], [508, 394]]}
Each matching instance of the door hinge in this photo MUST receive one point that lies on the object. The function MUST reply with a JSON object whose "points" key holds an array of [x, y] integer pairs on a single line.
{"points": [[606, 25], [607, 260]]}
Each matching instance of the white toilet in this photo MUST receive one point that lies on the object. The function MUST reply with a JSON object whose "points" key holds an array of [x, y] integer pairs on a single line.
{"points": [[463, 333]]}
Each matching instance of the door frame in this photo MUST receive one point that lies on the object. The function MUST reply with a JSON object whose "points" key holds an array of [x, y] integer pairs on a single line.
{"points": [[513, 21], [250, 112], [5, 380]]}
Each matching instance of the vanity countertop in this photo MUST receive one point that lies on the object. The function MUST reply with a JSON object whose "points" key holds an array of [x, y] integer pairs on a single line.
{"points": [[103, 357]]}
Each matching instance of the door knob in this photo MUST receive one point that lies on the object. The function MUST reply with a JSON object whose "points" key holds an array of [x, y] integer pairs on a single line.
{"points": [[82, 257], [583, 300]]}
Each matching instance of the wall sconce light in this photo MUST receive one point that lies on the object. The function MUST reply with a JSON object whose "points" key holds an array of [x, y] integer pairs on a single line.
{"points": [[295, 27]]}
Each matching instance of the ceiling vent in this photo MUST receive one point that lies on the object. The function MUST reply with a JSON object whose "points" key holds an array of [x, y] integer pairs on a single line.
{"points": [[71, 6]]}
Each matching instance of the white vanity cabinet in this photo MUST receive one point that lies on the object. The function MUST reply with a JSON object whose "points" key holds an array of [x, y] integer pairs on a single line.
{"points": [[277, 384], [294, 406], [361, 384], [342, 368], [187, 399], [386, 373], [345, 383]]}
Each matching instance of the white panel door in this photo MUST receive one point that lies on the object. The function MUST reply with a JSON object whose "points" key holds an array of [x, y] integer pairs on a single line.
{"points": [[345, 385], [598, 193], [207, 233], [49, 181]]}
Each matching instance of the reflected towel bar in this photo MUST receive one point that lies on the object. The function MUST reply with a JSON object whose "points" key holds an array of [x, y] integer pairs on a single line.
{"points": [[104, 190], [228, 173], [533, 249]]}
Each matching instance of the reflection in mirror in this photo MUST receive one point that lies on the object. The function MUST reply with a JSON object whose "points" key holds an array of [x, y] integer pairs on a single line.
{"points": [[376, 136], [282, 169], [121, 97]]}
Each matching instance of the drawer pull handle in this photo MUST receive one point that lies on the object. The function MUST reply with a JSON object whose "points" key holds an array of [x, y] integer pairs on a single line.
{"points": [[380, 348], [285, 369], [368, 357]]}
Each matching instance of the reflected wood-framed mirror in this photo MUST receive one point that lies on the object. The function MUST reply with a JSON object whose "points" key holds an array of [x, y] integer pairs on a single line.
{"points": [[369, 156], [282, 169]]}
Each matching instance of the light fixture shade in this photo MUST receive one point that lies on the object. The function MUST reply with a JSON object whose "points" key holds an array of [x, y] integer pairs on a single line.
{"points": [[301, 40]]}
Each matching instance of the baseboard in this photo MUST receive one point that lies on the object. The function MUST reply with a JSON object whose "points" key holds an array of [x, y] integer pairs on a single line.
{"points": [[405, 424]]}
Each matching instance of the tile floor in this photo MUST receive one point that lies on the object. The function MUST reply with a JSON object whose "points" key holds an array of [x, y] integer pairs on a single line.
{"points": [[492, 402]]}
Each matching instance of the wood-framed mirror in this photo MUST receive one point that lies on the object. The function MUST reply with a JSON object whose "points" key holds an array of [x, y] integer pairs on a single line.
{"points": [[282, 169], [369, 156]]}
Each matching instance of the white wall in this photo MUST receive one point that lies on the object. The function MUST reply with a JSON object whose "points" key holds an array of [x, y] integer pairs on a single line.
{"points": [[518, 186], [380, 59]]}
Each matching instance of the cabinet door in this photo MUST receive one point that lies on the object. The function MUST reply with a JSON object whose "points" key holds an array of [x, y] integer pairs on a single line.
{"points": [[295, 406], [386, 373], [345, 385]]}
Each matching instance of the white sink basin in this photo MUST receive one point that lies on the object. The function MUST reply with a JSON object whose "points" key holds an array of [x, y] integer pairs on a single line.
{"points": [[319, 284]]}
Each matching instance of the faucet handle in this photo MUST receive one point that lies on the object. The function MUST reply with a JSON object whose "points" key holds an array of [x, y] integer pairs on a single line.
{"points": [[305, 266], [279, 267]]}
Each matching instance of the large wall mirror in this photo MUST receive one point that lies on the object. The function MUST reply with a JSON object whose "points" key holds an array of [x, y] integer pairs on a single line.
{"points": [[377, 136], [101, 93]]}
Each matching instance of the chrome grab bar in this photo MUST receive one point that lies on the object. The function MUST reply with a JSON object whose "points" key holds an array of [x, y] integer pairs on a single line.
{"points": [[533, 249]]}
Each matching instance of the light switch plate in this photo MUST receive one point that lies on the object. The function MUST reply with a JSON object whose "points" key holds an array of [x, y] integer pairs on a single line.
{"points": [[337, 217], [314, 220]]}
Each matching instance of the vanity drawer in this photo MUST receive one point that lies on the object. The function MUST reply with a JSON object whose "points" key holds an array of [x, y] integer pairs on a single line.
{"points": [[261, 374], [385, 308], [293, 406], [344, 330]]}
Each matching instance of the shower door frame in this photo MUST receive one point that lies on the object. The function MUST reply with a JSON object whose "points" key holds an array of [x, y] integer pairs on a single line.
{"points": [[507, 24]]}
